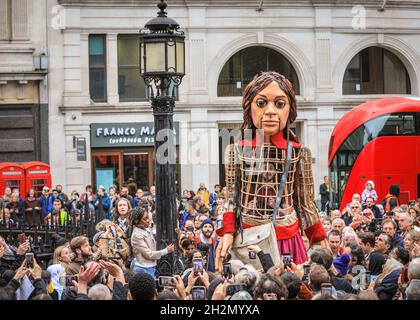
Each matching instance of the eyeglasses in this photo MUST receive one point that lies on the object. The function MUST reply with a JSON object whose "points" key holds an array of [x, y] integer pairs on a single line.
{"points": [[354, 207]]}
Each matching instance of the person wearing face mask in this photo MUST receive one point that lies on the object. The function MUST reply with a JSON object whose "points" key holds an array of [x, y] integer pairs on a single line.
{"points": [[143, 243]]}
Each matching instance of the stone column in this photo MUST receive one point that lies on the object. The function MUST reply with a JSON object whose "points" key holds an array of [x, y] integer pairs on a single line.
{"points": [[112, 68]]}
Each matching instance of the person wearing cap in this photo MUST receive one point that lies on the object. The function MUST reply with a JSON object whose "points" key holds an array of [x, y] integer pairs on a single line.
{"points": [[207, 236], [341, 263], [46, 202]]}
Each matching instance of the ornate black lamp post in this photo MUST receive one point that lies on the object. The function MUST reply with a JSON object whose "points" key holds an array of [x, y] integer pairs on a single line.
{"points": [[162, 65]]}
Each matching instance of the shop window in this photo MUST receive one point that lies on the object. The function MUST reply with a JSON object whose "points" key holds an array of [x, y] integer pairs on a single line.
{"points": [[97, 67], [376, 70], [245, 64], [106, 170]]}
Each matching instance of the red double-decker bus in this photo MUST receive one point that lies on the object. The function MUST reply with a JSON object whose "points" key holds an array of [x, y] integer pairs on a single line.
{"points": [[380, 141]]}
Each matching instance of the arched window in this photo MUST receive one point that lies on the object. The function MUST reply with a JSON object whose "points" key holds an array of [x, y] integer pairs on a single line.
{"points": [[245, 64], [376, 70]]}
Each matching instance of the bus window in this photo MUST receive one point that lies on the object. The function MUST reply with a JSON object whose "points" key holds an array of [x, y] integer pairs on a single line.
{"points": [[391, 125], [418, 123]]}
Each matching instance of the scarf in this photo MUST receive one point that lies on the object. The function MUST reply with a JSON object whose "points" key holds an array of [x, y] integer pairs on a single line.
{"points": [[122, 222]]}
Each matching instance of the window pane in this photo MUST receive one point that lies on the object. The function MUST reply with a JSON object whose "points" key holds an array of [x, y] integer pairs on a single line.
{"points": [[254, 60], [376, 70], [170, 47], [136, 166], [128, 50], [97, 84], [96, 45], [391, 125], [131, 85], [97, 68], [241, 68], [106, 170], [155, 61], [395, 75]]}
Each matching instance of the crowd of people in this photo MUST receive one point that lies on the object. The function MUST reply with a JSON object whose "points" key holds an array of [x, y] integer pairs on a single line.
{"points": [[372, 251]]}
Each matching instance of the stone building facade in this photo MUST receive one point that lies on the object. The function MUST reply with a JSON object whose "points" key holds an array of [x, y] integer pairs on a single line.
{"points": [[331, 46]]}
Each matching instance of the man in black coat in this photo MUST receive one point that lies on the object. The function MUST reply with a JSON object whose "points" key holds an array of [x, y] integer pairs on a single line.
{"points": [[324, 191]]}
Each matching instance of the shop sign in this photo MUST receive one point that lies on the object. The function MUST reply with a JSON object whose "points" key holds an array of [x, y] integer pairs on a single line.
{"points": [[105, 135]]}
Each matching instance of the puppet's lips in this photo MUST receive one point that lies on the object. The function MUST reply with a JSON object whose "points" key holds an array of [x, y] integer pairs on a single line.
{"points": [[270, 123]]}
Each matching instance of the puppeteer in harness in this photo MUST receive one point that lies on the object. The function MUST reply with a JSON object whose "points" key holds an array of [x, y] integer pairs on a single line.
{"points": [[267, 153]]}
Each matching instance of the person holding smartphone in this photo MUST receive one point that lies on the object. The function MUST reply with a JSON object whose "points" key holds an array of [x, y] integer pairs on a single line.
{"points": [[143, 243], [265, 258]]}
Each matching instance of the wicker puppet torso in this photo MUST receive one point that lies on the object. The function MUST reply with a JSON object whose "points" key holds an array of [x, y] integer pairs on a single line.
{"points": [[260, 172]]}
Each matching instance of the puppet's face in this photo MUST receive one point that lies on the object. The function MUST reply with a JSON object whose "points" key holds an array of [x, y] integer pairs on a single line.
{"points": [[270, 109]]}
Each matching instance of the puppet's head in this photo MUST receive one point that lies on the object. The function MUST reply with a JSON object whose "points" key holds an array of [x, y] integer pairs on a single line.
{"points": [[269, 103]]}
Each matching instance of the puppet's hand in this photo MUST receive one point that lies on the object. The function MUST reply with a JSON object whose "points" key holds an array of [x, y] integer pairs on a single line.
{"points": [[227, 244]]}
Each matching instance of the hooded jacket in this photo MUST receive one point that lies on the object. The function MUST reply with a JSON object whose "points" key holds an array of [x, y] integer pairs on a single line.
{"points": [[372, 193]]}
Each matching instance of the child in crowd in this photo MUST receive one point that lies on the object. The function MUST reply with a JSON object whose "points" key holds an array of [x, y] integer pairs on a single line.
{"points": [[369, 191]]}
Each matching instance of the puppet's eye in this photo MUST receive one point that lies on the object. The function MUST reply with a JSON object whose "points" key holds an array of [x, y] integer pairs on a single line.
{"points": [[261, 103], [280, 103]]}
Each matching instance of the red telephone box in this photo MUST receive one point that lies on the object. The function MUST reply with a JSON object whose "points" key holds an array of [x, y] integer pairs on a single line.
{"points": [[12, 175], [37, 175]]}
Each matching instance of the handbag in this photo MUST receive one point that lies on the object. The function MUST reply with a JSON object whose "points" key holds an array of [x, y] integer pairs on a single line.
{"points": [[263, 235]]}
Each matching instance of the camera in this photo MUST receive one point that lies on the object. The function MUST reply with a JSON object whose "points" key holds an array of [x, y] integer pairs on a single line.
{"points": [[252, 255], [233, 288], [198, 293], [227, 270], [198, 266], [29, 258], [190, 229], [287, 259], [165, 281]]}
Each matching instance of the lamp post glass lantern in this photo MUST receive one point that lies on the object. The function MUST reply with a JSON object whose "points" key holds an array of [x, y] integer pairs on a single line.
{"points": [[162, 66], [162, 54]]}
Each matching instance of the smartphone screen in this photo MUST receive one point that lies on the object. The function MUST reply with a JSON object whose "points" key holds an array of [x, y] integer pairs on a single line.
{"points": [[306, 269], [29, 257], [366, 283], [326, 290], [287, 259], [233, 288], [198, 293], [198, 266], [165, 281], [227, 271]]}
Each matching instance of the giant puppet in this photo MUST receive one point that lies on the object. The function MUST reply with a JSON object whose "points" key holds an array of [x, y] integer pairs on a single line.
{"points": [[256, 164]]}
